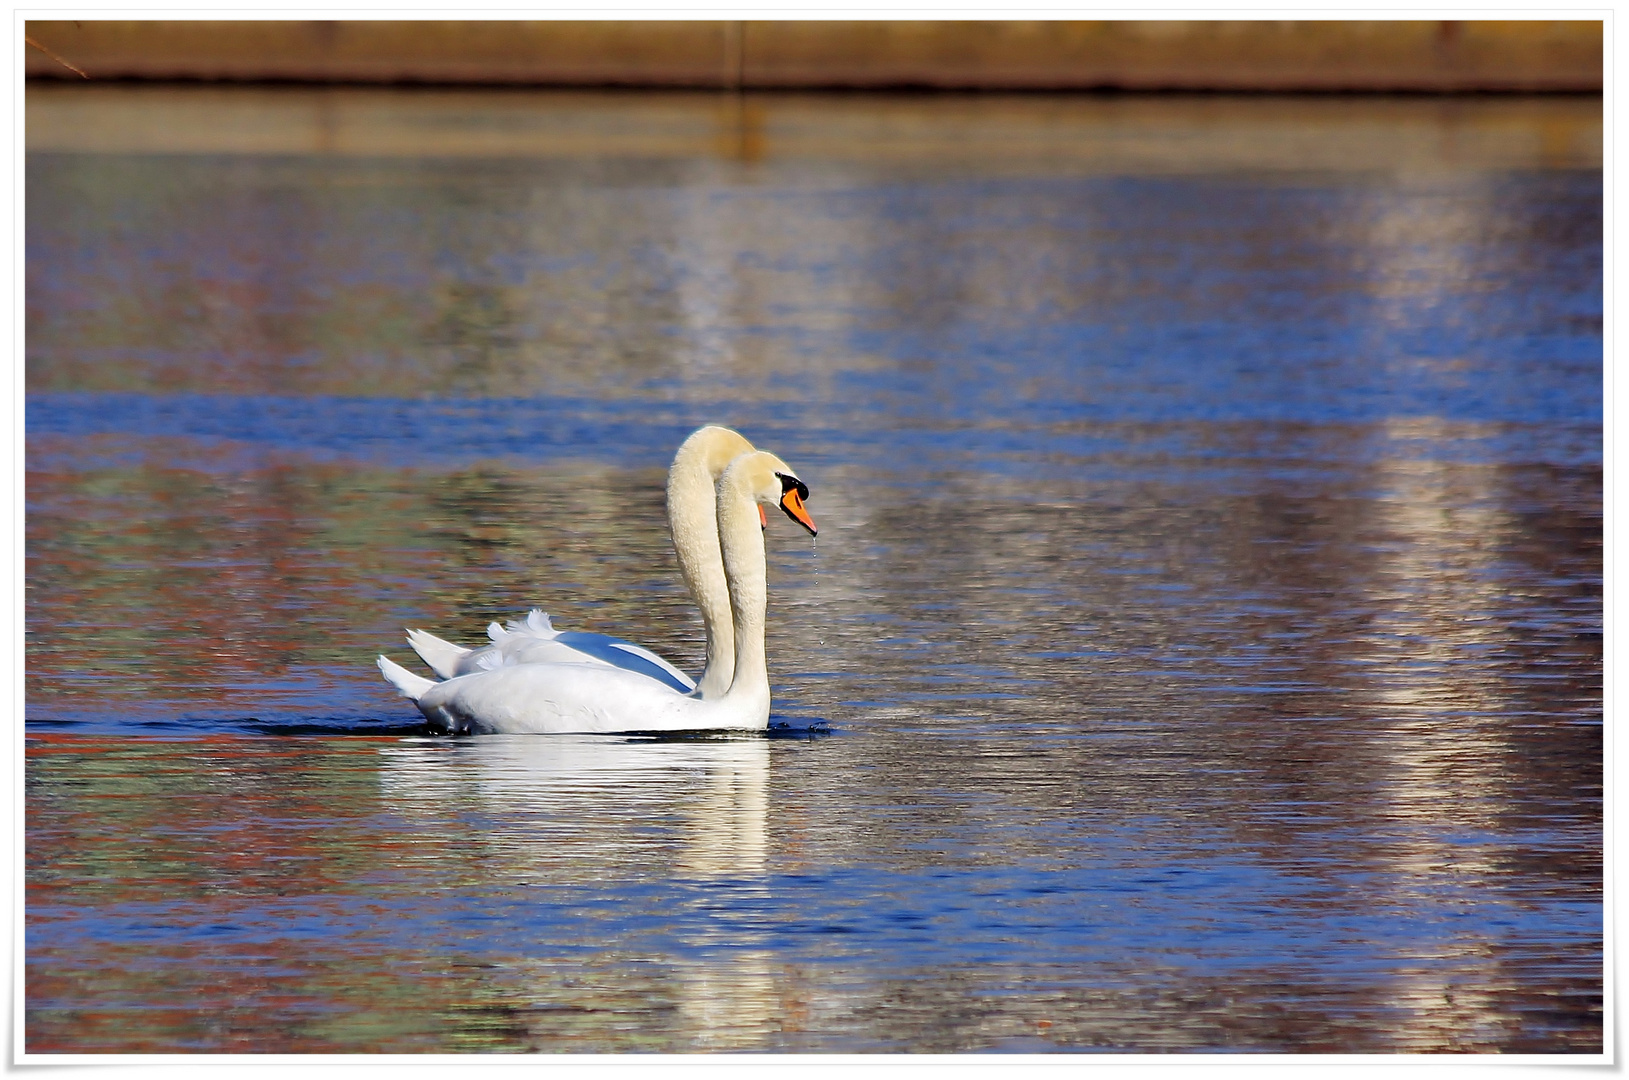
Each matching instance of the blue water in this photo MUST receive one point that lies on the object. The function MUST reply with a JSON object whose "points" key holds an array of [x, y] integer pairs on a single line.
{"points": [[1201, 650]]}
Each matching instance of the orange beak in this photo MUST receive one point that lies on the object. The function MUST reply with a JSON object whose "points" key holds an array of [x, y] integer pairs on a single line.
{"points": [[763, 522], [792, 503]]}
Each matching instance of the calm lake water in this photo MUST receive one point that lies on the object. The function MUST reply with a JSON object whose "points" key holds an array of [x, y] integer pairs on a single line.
{"points": [[1201, 650]]}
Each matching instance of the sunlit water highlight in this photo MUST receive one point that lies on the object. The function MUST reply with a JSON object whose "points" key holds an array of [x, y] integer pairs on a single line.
{"points": [[1202, 650]]}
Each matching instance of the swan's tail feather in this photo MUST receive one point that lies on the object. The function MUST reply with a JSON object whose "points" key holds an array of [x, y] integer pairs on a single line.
{"points": [[442, 656], [411, 686]]}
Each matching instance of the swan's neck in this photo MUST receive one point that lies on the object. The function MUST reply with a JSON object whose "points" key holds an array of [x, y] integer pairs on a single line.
{"points": [[692, 513], [742, 539]]}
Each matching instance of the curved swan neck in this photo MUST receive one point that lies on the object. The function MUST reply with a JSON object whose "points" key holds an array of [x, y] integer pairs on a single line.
{"points": [[746, 569], [692, 519]]}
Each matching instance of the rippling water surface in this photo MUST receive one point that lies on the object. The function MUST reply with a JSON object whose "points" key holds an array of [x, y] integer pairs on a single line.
{"points": [[1201, 650]]}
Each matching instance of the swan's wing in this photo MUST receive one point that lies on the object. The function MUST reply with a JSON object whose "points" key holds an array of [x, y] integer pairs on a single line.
{"points": [[512, 649], [573, 647], [628, 656], [536, 641]]}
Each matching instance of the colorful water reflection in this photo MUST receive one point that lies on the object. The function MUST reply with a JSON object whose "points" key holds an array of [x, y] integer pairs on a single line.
{"points": [[1201, 651]]}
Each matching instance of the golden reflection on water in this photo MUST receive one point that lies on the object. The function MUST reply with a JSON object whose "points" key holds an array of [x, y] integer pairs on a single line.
{"points": [[1437, 600]]}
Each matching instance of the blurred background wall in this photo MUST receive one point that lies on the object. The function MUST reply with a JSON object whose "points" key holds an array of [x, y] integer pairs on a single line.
{"points": [[1278, 55]]}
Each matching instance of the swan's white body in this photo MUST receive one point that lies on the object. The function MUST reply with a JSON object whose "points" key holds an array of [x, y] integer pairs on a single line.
{"points": [[553, 698], [692, 520], [549, 699], [536, 641]]}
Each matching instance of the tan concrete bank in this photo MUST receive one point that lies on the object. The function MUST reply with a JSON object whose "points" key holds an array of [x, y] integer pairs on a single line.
{"points": [[1133, 55]]}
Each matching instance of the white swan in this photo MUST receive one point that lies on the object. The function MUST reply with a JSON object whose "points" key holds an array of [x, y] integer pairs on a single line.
{"points": [[594, 698], [692, 521]]}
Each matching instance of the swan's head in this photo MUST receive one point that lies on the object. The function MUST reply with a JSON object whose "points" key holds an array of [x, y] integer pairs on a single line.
{"points": [[793, 493], [771, 482]]}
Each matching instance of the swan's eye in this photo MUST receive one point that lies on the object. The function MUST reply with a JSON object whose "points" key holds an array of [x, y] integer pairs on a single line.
{"points": [[793, 492]]}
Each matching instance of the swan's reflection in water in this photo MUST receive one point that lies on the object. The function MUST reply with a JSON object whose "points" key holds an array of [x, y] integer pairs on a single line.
{"points": [[548, 803], [537, 815]]}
